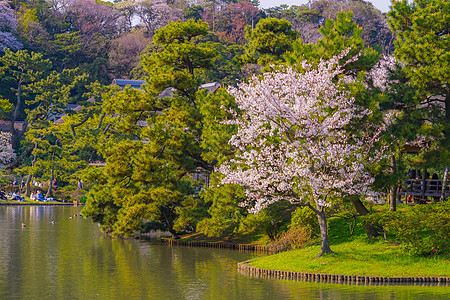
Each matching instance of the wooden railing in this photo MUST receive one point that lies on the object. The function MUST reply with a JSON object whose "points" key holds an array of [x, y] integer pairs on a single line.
{"points": [[421, 189]]}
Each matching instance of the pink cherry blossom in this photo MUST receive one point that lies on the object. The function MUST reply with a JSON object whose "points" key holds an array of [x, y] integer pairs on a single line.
{"points": [[293, 142]]}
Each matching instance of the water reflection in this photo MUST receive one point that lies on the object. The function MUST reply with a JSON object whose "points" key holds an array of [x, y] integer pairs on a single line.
{"points": [[73, 259]]}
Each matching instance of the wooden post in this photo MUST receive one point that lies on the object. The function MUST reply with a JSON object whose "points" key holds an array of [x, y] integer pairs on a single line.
{"points": [[393, 190], [444, 183], [424, 186]]}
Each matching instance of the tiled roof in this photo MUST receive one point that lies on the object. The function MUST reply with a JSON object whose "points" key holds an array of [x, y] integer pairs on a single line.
{"points": [[132, 83], [4, 125], [212, 87]]}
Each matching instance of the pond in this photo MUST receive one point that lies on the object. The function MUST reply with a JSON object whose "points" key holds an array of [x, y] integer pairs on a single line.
{"points": [[72, 259]]}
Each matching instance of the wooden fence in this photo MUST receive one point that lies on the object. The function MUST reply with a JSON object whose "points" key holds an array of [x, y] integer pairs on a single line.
{"points": [[421, 191]]}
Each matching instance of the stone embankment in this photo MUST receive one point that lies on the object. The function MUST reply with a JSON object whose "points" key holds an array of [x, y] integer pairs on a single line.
{"points": [[246, 269]]}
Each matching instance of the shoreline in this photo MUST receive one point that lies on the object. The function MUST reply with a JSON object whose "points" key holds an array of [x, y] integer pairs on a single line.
{"points": [[246, 269], [40, 204]]}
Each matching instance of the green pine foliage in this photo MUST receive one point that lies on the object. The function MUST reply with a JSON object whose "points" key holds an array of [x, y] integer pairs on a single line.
{"points": [[337, 35]]}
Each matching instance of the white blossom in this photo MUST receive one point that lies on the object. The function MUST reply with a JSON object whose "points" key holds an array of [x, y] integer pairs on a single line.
{"points": [[6, 151], [292, 138]]}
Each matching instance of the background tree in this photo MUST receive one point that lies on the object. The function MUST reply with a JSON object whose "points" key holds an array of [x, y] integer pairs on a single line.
{"points": [[20, 70], [336, 36], [124, 54], [306, 19], [268, 41], [375, 29], [155, 14], [181, 55], [422, 30], [72, 33], [161, 157], [51, 96]]}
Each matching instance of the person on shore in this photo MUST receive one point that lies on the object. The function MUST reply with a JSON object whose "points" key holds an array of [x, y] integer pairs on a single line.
{"points": [[16, 196], [40, 196], [3, 194], [80, 184], [22, 185], [15, 182], [55, 184], [33, 196]]}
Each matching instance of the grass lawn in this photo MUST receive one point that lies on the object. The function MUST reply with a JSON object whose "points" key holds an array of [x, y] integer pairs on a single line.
{"points": [[356, 255]]}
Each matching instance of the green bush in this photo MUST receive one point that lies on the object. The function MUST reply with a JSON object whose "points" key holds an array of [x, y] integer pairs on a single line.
{"points": [[61, 195], [153, 225], [305, 217], [423, 230], [11, 188]]}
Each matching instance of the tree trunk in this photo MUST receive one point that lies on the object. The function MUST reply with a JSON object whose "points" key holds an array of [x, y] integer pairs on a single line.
{"points": [[444, 183], [27, 186], [14, 114], [371, 230], [50, 186], [393, 190], [325, 247]]}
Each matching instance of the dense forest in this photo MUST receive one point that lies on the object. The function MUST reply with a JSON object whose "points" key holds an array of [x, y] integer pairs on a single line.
{"points": [[148, 157]]}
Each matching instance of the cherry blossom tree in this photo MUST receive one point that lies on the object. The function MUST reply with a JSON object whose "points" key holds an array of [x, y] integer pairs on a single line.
{"points": [[6, 150], [155, 14], [8, 26], [293, 141]]}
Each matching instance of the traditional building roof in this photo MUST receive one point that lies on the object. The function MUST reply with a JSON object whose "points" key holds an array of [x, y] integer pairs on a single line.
{"points": [[4, 125], [211, 87], [122, 83], [57, 117]]}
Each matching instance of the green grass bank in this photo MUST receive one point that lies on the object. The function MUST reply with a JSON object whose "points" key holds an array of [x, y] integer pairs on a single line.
{"points": [[356, 255]]}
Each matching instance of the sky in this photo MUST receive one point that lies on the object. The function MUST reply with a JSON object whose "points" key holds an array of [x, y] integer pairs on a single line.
{"points": [[382, 5]]}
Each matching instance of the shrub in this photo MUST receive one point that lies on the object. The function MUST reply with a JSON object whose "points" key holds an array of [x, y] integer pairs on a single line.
{"points": [[305, 217], [295, 238], [423, 230], [62, 195], [153, 225]]}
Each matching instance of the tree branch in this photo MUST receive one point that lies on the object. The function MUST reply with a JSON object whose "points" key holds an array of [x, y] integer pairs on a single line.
{"points": [[19, 159], [101, 121], [73, 126]]}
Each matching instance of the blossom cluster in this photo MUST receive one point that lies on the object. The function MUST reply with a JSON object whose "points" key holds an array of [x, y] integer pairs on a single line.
{"points": [[6, 151], [379, 74]]}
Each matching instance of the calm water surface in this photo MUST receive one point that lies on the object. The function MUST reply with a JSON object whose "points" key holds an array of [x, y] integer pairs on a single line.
{"points": [[72, 259]]}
